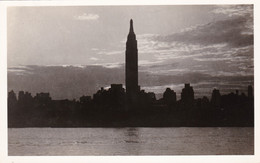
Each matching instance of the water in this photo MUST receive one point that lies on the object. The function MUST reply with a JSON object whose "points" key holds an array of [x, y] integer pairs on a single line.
{"points": [[130, 141]]}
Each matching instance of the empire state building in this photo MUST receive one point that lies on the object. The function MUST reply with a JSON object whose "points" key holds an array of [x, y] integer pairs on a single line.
{"points": [[131, 67]]}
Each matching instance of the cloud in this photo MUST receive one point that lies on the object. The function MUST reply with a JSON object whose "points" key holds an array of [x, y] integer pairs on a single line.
{"points": [[108, 53], [74, 81], [223, 47], [93, 58], [111, 65], [86, 16], [230, 31], [234, 10], [209, 58], [78, 65], [147, 62], [234, 30]]}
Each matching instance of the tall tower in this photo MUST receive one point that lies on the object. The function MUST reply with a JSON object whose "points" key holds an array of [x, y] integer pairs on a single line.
{"points": [[131, 67]]}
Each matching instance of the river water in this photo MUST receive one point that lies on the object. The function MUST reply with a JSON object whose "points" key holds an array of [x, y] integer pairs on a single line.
{"points": [[130, 141]]}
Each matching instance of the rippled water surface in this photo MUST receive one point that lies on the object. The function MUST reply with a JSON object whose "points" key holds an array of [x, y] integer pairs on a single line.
{"points": [[131, 141]]}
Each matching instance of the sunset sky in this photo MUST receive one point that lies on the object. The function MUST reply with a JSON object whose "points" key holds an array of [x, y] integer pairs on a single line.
{"points": [[73, 51]]}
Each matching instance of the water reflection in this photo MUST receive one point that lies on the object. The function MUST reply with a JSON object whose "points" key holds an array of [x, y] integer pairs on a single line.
{"points": [[132, 140]]}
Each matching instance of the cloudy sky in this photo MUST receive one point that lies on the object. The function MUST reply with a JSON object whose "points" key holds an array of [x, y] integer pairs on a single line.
{"points": [[73, 51]]}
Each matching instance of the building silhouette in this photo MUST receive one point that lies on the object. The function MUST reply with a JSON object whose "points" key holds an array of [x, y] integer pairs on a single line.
{"points": [[215, 98], [24, 98], [169, 96], [85, 99], [131, 68], [112, 98], [12, 97], [250, 92], [117, 94], [43, 97], [187, 94]]}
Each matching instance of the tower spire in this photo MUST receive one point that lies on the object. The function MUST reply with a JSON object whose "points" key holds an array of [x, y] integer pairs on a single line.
{"points": [[131, 27]]}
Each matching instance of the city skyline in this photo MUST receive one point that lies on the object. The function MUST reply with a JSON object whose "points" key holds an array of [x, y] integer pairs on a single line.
{"points": [[213, 50]]}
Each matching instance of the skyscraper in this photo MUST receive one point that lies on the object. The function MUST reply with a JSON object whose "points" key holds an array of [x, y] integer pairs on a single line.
{"points": [[131, 67], [187, 94]]}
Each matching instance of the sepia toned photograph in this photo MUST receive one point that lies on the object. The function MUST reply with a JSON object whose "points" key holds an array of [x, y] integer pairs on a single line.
{"points": [[130, 80]]}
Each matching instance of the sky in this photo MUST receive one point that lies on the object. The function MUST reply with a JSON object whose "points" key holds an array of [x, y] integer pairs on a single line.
{"points": [[73, 51]]}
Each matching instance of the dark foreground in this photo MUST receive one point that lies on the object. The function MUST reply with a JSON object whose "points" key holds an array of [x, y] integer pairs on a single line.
{"points": [[154, 116]]}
